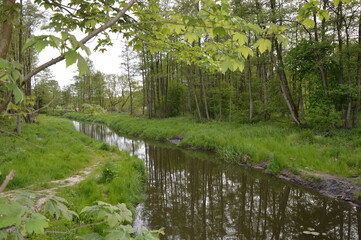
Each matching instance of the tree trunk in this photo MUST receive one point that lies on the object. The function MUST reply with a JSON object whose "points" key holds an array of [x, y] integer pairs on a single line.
{"points": [[358, 71], [284, 85], [250, 97], [264, 76], [201, 77], [6, 30], [192, 82], [282, 75], [18, 124]]}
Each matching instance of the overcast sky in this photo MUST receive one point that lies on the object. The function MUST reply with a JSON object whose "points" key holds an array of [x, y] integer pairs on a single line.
{"points": [[107, 62]]}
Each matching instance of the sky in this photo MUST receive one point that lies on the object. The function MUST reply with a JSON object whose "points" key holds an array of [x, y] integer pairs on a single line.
{"points": [[107, 62]]}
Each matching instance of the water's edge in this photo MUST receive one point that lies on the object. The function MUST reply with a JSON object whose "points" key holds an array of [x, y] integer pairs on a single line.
{"points": [[195, 196]]}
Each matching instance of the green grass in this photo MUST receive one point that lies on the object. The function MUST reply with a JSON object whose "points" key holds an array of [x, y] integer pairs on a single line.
{"points": [[63, 152], [282, 145], [125, 185], [60, 152]]}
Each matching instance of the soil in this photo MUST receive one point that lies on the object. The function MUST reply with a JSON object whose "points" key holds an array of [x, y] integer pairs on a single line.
{"points": [[344, 189]]}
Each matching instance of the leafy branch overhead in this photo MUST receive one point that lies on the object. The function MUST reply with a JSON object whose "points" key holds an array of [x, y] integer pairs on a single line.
{"points": [[213, 38]]}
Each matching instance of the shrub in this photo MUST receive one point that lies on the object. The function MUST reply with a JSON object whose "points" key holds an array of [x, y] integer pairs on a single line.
{"points": [[108, 173]]}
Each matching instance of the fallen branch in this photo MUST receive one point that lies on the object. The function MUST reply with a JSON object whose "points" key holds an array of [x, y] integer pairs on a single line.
{"points": [[7, 180]]}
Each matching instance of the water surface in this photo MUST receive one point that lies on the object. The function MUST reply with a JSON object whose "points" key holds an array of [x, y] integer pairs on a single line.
{"points": [[195, 196]]}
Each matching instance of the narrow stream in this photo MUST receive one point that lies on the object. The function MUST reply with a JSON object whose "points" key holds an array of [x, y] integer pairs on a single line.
{"points": [[194, 196]]}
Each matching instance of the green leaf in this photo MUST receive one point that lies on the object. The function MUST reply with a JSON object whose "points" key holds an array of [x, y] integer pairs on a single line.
{"points": [[40, 45], [124, 212], [16, 75], [112, 220], [54, 41], [323, 14], [73, 41], [82, 65], [36, 224], [92, 236], [64, 35], [220, 31], [225, 65], [178, 28], [245, 51], [18, 94], [117, 235], [10, 214], [55, 206], [4, 63], [241, 38], [263, 45], [191, 37], [3, 234], [149, 235], [29, 43], [85, 48], [308, 22], [70, 57]]}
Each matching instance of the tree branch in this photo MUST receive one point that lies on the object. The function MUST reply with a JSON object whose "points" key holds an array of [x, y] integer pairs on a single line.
{"points": [[84, 40], [174, 23], [7, 180]]}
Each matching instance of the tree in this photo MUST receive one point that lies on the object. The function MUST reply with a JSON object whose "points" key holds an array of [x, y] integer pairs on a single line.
{"points": [[128, 65]]}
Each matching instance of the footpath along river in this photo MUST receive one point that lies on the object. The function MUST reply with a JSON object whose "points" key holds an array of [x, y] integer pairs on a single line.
{"points": [[193, 195]]}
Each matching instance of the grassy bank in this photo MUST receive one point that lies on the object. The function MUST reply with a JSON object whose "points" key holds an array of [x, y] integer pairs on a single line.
{"points": [[280, 145], [52, 149]]}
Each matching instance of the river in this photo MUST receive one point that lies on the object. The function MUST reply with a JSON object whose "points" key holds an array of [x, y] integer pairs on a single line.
{"points": [[193, 195]]}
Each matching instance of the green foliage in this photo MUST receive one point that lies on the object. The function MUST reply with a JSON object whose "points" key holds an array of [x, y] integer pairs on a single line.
{"points": [[105, 147], [175, 99], [92, 109], [10, 76], [108, 173], [323, 116], [29, 216], [276, 165], [303, 59]]}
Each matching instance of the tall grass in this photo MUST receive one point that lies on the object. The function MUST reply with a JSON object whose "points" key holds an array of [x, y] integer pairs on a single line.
{"points": [[281, 145]]}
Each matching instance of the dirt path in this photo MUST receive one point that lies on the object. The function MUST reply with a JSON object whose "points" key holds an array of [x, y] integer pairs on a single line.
{"points": [[70, 181]]}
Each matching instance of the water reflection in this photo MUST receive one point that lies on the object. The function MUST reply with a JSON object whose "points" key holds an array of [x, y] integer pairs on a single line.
{"points": [[194, 197]]}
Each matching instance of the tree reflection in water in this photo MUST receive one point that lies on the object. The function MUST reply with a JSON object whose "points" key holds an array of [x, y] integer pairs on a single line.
{"points": [[195, 197]]}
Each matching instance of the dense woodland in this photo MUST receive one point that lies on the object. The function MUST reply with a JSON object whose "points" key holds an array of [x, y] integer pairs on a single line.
{"points": [[298, 60]]}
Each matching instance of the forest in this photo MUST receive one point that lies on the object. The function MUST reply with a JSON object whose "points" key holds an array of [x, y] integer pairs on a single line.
{"points": [[252, 61], [271, 84]]}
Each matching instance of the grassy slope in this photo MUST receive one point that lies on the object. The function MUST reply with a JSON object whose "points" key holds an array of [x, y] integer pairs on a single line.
{"points": [[279, 144], [67, 152]]}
